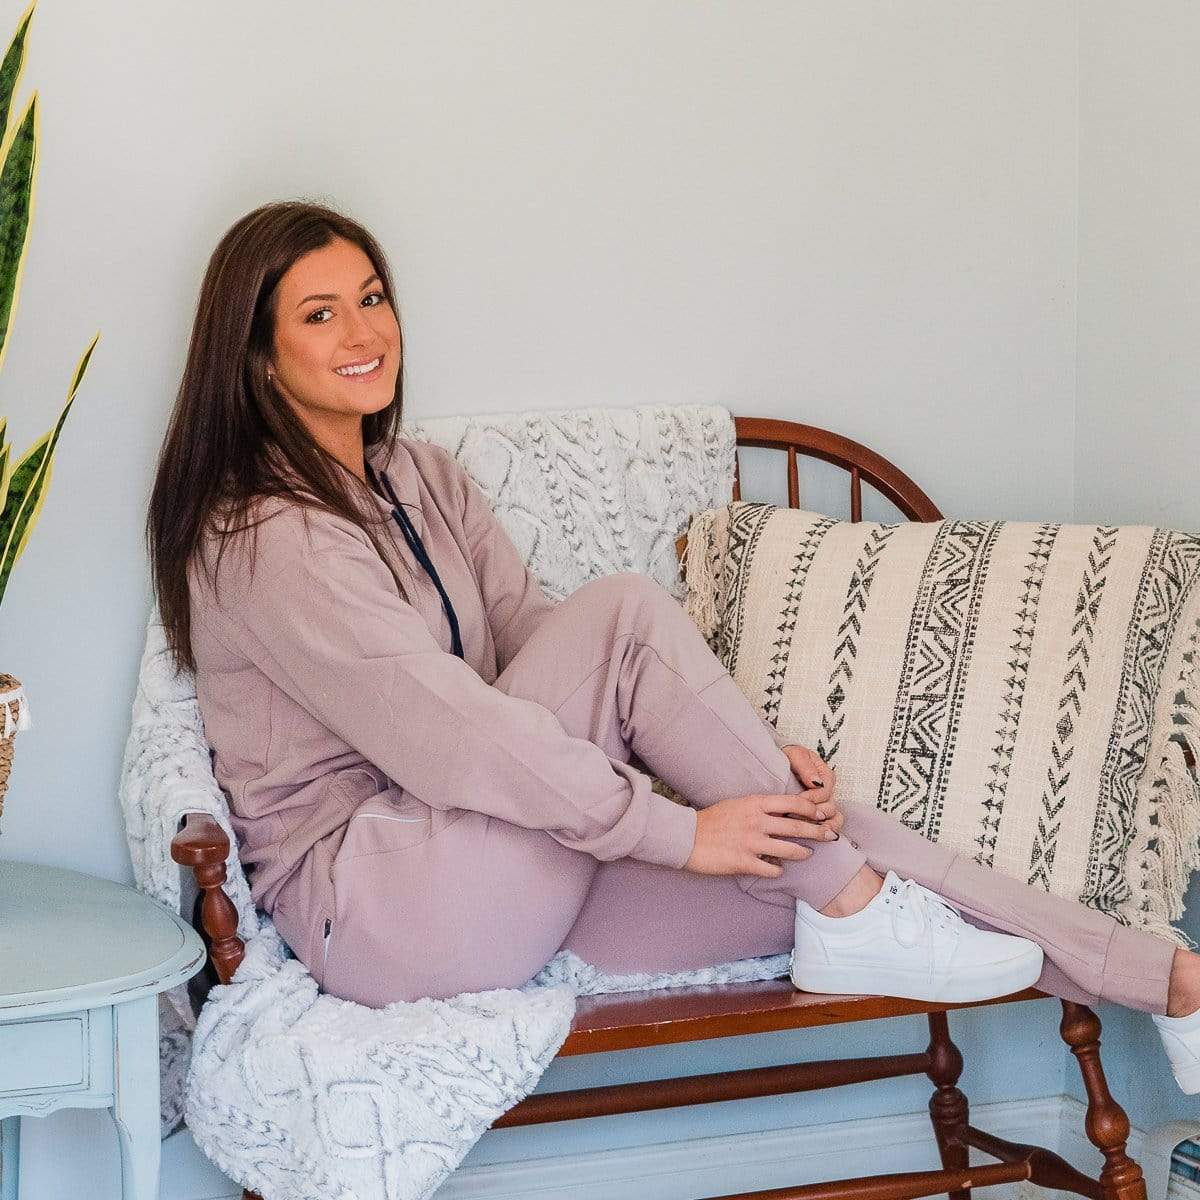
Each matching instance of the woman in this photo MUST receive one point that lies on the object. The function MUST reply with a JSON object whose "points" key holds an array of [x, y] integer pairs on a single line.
{"points": [[433, 769]]}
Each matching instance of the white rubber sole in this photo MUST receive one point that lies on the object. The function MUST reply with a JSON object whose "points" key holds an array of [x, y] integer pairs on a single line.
{"points": [[1188, 1078], [1003, 979]]}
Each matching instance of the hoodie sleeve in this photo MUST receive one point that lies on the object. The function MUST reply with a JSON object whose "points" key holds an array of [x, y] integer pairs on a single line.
{"points": [[320, 616]]}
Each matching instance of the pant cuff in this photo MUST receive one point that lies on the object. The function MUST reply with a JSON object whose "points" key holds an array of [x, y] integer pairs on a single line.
{"points": [[1137, 970]]}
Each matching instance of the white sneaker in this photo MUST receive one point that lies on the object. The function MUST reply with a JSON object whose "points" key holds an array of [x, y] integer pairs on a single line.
{"points": [[909, 942], [1181, 1040]]}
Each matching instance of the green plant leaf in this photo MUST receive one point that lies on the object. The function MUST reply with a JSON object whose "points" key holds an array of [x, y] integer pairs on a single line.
{"points": [[5, 447], [29, 483], [11, 68], [16, 211]]}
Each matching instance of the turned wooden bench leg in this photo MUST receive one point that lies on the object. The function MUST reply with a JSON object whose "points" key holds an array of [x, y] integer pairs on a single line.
{"points": [[1107, 1125], [948, 1106]]}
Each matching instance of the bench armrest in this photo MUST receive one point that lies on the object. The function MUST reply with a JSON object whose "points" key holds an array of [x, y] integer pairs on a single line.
{"points": [[204, 846], [200, 843]]}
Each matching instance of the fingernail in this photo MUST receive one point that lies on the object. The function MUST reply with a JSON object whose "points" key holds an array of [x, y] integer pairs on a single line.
{"points": [[829, 835], [817, 783]]}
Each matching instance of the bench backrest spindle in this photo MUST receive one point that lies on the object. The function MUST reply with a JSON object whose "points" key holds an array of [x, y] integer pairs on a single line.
{"points": [[857, 459]]}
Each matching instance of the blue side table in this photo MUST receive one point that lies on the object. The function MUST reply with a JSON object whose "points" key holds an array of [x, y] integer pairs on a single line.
{"points": [[82, 961]]}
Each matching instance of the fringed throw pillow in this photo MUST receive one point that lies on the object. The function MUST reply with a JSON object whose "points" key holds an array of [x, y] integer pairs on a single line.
{"points": [[1023, 693]]}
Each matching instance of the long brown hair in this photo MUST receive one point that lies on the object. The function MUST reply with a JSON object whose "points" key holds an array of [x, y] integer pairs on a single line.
{"points": [[232, 438]]}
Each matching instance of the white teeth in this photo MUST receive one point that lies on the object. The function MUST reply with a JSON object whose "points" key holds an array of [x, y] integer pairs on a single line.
{"points": [[359, 370]]}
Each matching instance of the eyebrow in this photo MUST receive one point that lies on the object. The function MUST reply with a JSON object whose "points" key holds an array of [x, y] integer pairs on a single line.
{"points": [[328, 296]]}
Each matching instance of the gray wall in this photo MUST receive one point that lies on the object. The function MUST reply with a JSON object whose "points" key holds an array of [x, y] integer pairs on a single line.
{"points": [[860, 215], [1137, 438]]}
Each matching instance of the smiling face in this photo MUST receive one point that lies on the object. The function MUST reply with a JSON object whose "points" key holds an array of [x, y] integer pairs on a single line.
{"points": [[336, 345]]}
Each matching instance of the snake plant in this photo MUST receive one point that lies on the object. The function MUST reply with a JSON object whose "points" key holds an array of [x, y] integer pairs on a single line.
{"points": [[24, 483]]}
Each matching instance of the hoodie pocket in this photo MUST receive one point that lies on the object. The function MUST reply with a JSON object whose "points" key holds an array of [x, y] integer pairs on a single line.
{"points": [[383, 825], [327, 933]]}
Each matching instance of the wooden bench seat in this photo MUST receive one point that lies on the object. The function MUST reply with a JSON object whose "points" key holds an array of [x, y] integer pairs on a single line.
{"points": [[626, 1021]]}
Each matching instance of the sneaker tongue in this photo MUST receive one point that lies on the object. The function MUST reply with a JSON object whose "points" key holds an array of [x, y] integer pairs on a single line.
{"points": [[891, 883]]}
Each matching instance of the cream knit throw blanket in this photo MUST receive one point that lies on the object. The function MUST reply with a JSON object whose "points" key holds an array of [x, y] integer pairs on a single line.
{"points": [[1023, 693]]}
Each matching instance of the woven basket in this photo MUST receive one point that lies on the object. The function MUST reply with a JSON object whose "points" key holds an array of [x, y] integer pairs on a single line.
{"points": [[14, 715]]}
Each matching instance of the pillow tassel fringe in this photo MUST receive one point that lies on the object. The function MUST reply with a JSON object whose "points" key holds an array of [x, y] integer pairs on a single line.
{"points": [[701, 579], [1174, 809], [1178, 834]]}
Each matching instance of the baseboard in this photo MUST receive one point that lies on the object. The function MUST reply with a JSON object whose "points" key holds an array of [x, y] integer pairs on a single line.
{"points": [[714, 1166], [717, 1166]]}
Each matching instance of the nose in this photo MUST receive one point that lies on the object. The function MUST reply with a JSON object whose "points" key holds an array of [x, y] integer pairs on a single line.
{"points": [[359, 331]]}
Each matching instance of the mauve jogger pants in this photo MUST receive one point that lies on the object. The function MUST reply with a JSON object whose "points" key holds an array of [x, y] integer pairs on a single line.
{"points": [[467, 902]]}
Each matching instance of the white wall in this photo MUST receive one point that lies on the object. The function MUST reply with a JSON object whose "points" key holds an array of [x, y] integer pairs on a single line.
{"points": [[847, 214], [1138, 431], [858, 214], [1138, 410]]}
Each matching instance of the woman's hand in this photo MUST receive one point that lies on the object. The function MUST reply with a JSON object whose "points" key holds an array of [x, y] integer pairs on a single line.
{"points": [[733, 834], [813, 772]]}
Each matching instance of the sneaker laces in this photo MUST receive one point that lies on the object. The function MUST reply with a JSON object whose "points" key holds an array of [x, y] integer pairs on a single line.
{"points": [[928, 911]]}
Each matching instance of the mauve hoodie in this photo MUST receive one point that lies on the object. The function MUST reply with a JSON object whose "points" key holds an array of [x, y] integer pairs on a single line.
{"points": [[320, 687]]}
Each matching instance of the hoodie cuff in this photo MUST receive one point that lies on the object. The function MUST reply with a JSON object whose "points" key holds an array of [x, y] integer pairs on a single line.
{"points": [[670, 833]]}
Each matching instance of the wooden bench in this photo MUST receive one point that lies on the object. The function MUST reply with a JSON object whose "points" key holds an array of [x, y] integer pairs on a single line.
{"points": [[666, 1017]]}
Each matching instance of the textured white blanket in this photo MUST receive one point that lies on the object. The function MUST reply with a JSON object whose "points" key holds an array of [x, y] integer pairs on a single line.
{"points": [[301, 1096], [297, 1094]]}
